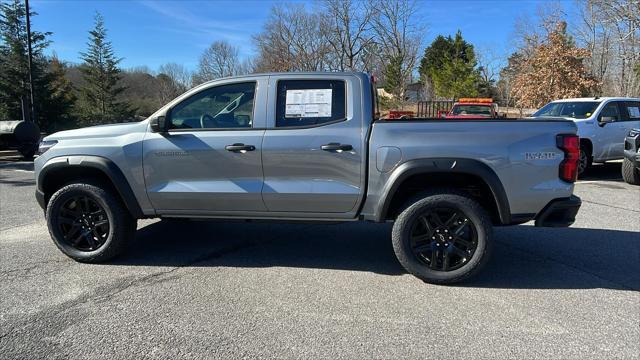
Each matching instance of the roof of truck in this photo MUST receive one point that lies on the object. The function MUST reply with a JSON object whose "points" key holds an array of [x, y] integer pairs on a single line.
{"points": [[296, 73], [597, 99], [293, 74]]}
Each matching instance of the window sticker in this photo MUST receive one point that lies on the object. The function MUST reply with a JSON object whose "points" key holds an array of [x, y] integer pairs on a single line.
{"points": [[634, 111], [308, 103]]}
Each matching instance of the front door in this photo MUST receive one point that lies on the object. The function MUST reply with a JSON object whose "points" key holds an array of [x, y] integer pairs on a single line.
{"points": [[313, 151], [210, 159], [611, 135]]}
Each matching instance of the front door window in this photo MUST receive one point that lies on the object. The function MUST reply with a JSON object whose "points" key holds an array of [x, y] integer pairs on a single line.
{"points": [[221, 107]]}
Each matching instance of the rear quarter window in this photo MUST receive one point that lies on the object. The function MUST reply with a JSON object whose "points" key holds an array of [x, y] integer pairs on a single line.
{"points": [[302, 103]]}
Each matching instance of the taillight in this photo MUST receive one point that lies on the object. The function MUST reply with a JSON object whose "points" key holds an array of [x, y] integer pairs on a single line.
{"points": [[570, 144]]}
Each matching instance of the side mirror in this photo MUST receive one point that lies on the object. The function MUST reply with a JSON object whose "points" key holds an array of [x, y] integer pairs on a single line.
{"points": [[605, 120], [158, 124]]}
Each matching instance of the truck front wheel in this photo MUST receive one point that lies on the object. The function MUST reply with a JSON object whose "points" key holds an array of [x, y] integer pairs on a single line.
{"points": [[443, 238], [88, 223], [630, 173]]}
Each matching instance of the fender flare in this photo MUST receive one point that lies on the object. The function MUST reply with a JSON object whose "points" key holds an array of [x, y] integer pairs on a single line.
{"points": [[106, 166], [445, 165]]}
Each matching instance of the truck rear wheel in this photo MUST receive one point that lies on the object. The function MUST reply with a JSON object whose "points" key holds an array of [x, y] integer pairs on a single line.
{"points": [[88, 223], [443, 238], [630, 174]]}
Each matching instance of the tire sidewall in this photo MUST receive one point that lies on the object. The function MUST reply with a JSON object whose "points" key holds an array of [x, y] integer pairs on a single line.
{"points": [[60, 198], [630, 174], [584, 160], [404, 225]]}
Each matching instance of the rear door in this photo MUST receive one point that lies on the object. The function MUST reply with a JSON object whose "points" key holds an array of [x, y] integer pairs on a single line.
{"points": [[314, 148]]}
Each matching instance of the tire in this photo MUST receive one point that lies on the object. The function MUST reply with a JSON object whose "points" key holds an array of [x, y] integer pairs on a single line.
{"points": [[477, 231], [28, 152], [585, 160], [79, 211], [630, 174]]}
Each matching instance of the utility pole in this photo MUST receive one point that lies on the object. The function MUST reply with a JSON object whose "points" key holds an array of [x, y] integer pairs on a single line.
{"points": [[32, 107]]}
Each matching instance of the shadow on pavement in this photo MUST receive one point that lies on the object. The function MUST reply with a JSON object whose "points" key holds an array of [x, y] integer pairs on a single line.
{"points": [[23, 179], [610, 171], [523, 256]]}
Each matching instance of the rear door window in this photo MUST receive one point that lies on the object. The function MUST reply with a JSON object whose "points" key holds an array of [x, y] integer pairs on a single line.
{"points": [[304, 103], [633, 110]]}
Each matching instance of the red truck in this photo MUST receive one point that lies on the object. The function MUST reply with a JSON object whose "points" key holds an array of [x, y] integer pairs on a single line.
{"points": [[473, 108]]}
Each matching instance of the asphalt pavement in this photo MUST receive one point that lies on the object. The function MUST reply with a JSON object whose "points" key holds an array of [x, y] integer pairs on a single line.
{"points": [[210, 289]]}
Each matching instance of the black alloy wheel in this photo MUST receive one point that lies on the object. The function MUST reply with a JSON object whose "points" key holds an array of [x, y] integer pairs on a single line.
{"points": [[583, 162], [444, 239], [83, 223], [443, 236]]}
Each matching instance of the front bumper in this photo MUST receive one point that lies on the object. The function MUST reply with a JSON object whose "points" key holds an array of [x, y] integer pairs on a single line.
{"points": [[559, 212], [40, 198], [633, 156]]}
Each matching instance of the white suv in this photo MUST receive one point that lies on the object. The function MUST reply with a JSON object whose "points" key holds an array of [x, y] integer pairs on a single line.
{"points": [[603, 123]]}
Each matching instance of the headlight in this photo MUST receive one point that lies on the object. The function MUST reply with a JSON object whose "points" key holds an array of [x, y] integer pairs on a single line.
{"points": [[46, 145]]}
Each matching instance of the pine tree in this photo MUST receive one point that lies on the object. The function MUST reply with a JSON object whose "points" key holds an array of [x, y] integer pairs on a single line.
{"points": [[61, 97], [393, 81], [450, 65], [14, 72], [102, 77]]}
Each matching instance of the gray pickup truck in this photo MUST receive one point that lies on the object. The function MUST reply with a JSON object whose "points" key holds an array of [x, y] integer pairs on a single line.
{"points": [[309, 147]]}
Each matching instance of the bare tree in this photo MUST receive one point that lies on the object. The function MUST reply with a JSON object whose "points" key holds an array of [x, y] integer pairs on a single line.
{"points": [[349, 27], [179, 75], [610, 29], [398, 37], [488, 64], [293, 39], [247, 66], [218, 60]]}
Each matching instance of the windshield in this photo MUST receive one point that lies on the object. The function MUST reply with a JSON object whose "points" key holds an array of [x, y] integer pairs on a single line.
{"points": [[471, 110], [576, 110]]}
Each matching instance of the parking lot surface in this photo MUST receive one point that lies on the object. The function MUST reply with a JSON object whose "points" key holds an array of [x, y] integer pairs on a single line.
{"points": [[231, 289]]}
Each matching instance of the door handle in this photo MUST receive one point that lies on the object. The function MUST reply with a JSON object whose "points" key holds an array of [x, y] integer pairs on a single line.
{"points": [[238, 147], [336, 147]]}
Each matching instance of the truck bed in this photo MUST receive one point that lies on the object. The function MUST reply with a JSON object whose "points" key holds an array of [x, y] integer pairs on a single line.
{"points": [[521, 152]]}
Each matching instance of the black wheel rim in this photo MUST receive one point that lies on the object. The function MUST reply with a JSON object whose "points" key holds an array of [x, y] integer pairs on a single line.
{"points": [[444, 239], [83, 223], [582, 162]]}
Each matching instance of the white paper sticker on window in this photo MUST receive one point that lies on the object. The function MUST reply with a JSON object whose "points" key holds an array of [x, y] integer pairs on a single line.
{"points": [[308, 103], [634, 111]]}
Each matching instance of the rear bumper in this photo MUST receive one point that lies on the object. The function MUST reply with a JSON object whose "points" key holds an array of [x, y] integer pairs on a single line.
{"points": [[559, 212]]}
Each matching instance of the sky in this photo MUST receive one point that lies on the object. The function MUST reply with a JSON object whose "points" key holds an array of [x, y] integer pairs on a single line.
{"points": [[151, 33]]}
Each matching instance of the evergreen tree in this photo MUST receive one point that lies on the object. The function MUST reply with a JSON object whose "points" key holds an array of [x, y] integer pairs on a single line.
{"points": [[393, 80], [61, 96], [450, 65], [434, 57], [101, 75], [14, 72]]}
